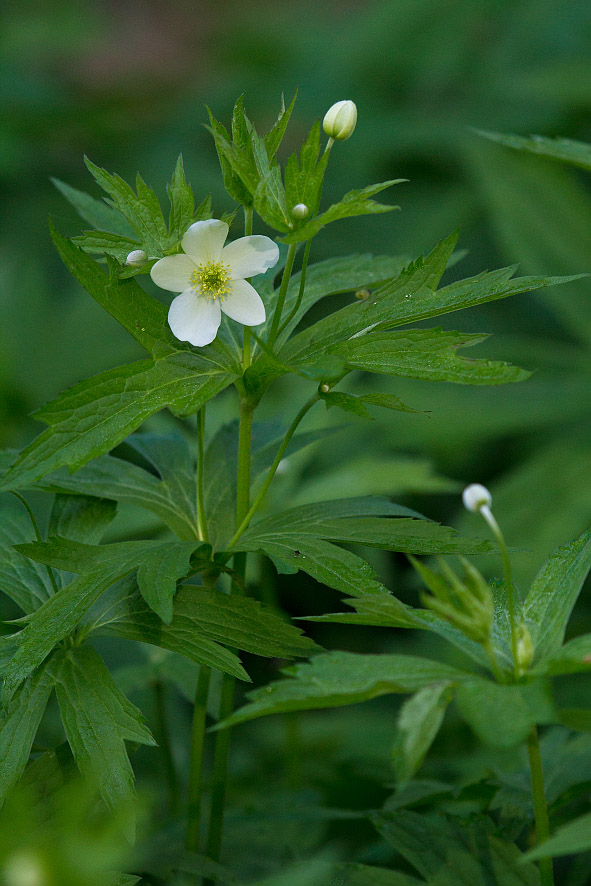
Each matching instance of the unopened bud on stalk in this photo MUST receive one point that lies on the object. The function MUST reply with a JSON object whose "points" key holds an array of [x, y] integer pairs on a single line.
{"points": [[136, 258], [300, 210], [340, 120], [476, 497], [525, 649]]}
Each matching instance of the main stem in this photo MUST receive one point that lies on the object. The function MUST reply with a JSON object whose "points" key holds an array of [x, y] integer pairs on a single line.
{"points": [[223, 737], [540, 807]]}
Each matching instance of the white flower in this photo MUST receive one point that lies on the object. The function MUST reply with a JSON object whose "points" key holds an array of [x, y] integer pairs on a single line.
{"points": [[210, 279], [340, 120], [476, 497]]}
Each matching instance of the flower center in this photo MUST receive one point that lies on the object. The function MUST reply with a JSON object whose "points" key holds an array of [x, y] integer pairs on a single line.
{"points": [[213, 280]]}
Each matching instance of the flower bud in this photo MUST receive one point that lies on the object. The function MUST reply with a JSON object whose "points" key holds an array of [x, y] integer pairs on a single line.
{"points": [[325, 388], [362, 294], [525, 649], [300, 210], [476, 497], [340, 120], [23, 869], [136, 258]]}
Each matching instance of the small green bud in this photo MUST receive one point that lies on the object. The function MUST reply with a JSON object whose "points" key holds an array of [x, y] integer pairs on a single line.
{"points": [[525, 649], [136, 258], [300, 210], [325, 388], [362, 294], [340, 120]]}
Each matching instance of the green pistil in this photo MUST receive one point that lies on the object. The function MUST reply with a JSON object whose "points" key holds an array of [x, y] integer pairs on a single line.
{"points": [[213, 280]]}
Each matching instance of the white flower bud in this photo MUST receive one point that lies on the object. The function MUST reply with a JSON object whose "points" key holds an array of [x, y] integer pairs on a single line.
{"points": [[340, 120], [23, 869], [476, 497], [136, 258], [325, 388], [300, 210]]}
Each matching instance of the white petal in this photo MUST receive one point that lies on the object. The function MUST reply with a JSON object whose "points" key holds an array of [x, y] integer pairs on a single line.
{"points": [[205, 239], [250, 256], [173, 272], [194, 319], [244, 304]]}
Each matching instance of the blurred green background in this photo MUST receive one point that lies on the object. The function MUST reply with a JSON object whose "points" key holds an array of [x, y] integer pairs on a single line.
{"points": [[127, 84]]}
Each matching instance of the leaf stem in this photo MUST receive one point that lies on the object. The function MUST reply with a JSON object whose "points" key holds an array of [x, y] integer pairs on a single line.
{"points": [[196, 767], [291, 253], [38, 535], [202, 527], [165, 746], [296, 307], [496, 529], [272, 470], [540, 807]]}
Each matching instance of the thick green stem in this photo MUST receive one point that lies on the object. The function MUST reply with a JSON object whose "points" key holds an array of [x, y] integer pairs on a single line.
{"points": [[291, 254], [488, 516], [540, 807], [201, 513], [163, 735], [272, 470], [223, 737], [196, 768]]}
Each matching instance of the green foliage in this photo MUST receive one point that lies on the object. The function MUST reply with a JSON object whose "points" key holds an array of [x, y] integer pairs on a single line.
{"points": [[573, 152], [418, 723]]}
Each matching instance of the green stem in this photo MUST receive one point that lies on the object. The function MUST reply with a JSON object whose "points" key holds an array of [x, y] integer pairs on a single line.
{"points": [[291, 254], [540, 808], [165, 746], [223, 737], [296, 307], [201, 513], [498, 674], [38, 536], [196, 767], [488, 516], [272, 470]]}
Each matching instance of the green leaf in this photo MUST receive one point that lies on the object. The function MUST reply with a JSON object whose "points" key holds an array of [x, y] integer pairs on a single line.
{"points": [[269, 194], [126, 482], [98, 413], [95, 212], [142, 210], [98, 719], [23, 581], [418, 723], [105, 243], [408, 298], [304, 174], [123, 613], [501, 714], [81, 517], [363, 875], [18, 727], [355, 403], [341, 678], [554, 593], [569, 839], [427, 354], [52, 622], [231, 162], [275, 135], [182, 203], [572, 658], [449, 855], [354, 203], [564, 149]]}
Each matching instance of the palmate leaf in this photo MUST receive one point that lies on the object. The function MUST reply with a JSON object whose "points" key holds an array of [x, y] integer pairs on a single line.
{"points": [[554, 593], [203, 616], [171, 498], [18, 727], [98, 719], [341, 678], [410, 297], [159, 564], [428, 354], [98, 413], [573, 152], [449, 855], [300, 538]]}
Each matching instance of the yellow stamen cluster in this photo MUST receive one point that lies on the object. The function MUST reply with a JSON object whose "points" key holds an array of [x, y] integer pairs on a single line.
{"points": [[213, 280]]}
